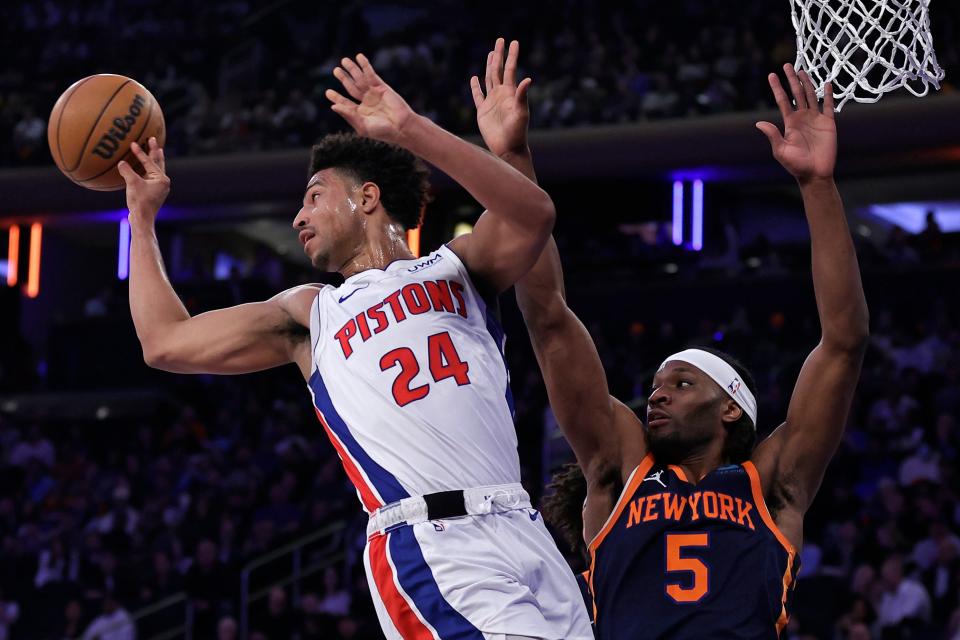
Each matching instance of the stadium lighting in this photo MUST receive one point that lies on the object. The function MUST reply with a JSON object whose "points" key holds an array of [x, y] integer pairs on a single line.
{"points": [[697, 215], [13, 255], [123, 256], [678, 212], [33, 270]]}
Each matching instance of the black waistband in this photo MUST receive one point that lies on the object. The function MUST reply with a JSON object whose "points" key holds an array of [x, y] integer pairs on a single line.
{"points": [[445, 504]]}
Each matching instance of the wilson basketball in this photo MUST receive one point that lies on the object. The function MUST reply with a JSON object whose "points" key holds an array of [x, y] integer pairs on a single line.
{"points": [[93, 123]]}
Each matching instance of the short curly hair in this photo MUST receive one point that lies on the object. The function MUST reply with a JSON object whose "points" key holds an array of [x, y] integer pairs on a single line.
{"points": [[401, 176]]}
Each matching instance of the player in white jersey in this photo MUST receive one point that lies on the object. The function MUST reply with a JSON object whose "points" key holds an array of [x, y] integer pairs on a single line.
{"points": [[404, 362]]}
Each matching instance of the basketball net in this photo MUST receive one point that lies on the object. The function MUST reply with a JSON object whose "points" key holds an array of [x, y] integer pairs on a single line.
{"points": [[866, 48]]}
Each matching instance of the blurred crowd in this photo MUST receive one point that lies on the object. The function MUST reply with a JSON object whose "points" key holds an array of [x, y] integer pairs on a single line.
{"points": [[239, 75], [103, 516]]}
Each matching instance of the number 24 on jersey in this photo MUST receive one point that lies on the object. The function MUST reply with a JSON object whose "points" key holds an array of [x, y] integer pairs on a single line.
{"points": [[444, 363]]}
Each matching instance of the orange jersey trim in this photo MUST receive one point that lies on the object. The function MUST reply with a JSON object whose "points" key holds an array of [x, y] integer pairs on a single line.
{"points": [[757, 490], [680, 473], [633, 482]]}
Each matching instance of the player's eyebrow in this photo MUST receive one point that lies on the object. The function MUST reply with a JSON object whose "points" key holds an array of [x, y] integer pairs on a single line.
{"points": [[316, 180]]}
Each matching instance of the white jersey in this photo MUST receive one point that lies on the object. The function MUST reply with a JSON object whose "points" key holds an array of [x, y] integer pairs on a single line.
{"points": [[410, 382]]}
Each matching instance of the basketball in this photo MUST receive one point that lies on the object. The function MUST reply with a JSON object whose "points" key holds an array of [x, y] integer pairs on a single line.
{"points": [[93, 123]]}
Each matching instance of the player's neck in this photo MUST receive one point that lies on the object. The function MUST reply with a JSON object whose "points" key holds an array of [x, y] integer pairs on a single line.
{"points": [[699, 463], [381, 246]]}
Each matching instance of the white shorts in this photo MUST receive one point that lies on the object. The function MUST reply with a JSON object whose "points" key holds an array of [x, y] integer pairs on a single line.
{"points": [[476, 577]]}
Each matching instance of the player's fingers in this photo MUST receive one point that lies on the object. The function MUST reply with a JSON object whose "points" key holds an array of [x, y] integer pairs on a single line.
{"points": [[795, 87], [828, 99], [783, 102], [476, 91], [488, 75], [127, 173], [338, 98], [498, 61], [811, 92], [772, 132], [348, 113], [369, 73], [510, 68], [156, 153], [161, 160], [347, 81], [355, 72], [149, 166], [522, 90]]}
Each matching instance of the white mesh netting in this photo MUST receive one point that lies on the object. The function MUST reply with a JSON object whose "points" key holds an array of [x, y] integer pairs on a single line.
{"points": [[866, 48]]}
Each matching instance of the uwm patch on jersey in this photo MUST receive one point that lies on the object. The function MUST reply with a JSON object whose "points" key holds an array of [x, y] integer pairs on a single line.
{"points": [[410, 382], [687, 561]]}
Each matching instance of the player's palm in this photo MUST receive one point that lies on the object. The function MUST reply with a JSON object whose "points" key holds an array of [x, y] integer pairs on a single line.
{"points": [[808, 146], [381, 112], [503, 113]]}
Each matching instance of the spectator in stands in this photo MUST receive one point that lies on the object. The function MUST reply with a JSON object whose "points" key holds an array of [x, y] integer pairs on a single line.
{"points": [[275, 621], [9, 613], [227, 629], [34, 447], [114, 623], [904, 607]]}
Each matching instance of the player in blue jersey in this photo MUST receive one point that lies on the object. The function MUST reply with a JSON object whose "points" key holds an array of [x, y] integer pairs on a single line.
{"points": [[694, 532]]}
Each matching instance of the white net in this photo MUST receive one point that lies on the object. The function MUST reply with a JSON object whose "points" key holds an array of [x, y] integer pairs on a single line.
{"points": [[866, 48]]}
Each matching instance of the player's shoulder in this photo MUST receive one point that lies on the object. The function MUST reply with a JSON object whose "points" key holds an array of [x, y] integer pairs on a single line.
{"points": [[297, 301]]}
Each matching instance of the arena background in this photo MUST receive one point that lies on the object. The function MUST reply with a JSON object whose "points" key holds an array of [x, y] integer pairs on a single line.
{"points": [[211, 507]]}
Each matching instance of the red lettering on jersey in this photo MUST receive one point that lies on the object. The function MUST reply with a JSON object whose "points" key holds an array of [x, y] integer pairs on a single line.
{"points": [[636, 507], [709, 504], [650, 512], [375, 314], [457, 289], [394, 301], [346, 332], [694, 501], [440, 296], [416, 298], [743, 512], [362, 325], [726, 508], [673, 506]]}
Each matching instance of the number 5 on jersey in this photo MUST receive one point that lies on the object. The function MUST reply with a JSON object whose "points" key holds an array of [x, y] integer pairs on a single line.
{"points": [[676, 543], [444, 363]]}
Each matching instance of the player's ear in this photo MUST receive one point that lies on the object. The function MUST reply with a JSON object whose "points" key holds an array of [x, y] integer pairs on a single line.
{"points": [[731, 411], [369, 197]]}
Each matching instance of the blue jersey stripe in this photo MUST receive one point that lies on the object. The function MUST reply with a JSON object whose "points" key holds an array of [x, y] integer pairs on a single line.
{"points": [[500, 338], [418, 582], [383, 481]]}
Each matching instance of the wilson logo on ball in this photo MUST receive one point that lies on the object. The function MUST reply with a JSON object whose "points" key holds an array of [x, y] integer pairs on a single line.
{"points": [[110, 141]]}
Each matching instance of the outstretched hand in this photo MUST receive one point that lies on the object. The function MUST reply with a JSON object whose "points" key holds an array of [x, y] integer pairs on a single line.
{"points": [[503, 113], [145, 195], [808, 146], [381, 112]]}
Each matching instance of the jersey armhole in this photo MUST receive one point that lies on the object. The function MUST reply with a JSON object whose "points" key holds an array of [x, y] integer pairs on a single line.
{"points": [[314, 329], [489, 299], [629, 487], [757, 490]]}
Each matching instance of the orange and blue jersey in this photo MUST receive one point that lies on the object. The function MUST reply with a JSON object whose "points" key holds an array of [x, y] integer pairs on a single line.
{"points": [[688, 561]]}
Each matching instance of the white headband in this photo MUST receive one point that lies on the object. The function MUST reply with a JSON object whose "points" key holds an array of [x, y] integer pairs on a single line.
{"points": [[724, 375]]}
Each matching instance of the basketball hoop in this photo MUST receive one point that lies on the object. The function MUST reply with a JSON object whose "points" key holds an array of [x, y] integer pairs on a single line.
{"points": [[866, 48]]}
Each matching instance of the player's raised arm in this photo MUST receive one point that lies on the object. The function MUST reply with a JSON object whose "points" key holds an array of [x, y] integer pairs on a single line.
{"points": [[507, 241], [571, 367], [796, 455], [241, 339]]}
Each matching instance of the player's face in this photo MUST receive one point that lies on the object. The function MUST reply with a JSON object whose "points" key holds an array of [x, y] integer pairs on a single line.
{"points": [[683, 412], [330, 223]]}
